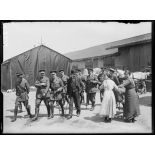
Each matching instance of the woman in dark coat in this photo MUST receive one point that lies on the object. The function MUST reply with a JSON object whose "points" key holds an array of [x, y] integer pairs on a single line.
{"points": [[131, 106]]}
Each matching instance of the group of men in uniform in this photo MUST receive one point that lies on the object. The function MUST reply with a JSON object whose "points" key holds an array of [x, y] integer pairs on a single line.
{"points": [[59, 90]]}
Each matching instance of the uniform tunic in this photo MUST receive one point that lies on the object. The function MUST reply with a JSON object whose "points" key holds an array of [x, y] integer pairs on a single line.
{"points": [[64, 79], [131, 106], [43, 89], [91, 84], [55, 84], [22, 90], [118, 95]]}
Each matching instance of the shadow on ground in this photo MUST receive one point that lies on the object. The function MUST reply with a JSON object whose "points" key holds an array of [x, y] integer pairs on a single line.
{"points": [[12, 110], [97, 118], [146, 101]]}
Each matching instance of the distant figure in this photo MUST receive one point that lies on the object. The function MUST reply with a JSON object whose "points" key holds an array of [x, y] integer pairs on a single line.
{"points": [[131, 106], [22, 91], [91, 88], [64, 79], [82, 85], [100, 79], [108, 105]]}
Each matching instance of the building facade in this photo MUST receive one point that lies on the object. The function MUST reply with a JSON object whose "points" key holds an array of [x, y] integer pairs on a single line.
{"points": [[133, 53]]}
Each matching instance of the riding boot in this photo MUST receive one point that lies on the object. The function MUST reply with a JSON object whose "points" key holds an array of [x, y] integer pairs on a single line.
{"points": [[51, 112], [28, 109], [70, 111], [62, 109], [36, 114], [15, 115], [20, 108], [48, 111]]}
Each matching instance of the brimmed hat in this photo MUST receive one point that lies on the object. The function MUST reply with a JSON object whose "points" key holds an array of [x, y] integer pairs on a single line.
{"points": [[53, 71], [73, 71], [111, 69], [90, 69], [61, 70], [19, 74], [42, 70], [78, 70]]}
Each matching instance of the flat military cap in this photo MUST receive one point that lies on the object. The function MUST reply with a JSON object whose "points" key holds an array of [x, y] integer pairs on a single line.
{"points": [[90, 69], [42, 70], [19, 74], [73, 71], [111, 69], [53, 71], [61, 70], [79, 70]]}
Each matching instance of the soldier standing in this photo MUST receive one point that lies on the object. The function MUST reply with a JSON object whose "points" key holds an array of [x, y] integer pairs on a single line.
{"points": [[42, 93], [82, 86], [114, 77], [73, 90], [22, 91], [91, 88], [56, 86], [64, 79]]}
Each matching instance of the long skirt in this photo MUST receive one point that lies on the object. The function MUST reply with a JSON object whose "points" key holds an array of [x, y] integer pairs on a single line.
{"points": [[131, 106], [108, 105]]}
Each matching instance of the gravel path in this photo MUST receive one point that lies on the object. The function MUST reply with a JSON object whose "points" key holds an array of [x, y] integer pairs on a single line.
{"points": [[88, 122]]}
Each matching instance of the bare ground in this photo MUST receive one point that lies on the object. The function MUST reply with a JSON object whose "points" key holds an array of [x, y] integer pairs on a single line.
{"points": [[88, 122]]}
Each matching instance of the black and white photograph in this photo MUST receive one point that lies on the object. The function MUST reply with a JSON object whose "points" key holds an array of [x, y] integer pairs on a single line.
{"points": [[78, 77]]}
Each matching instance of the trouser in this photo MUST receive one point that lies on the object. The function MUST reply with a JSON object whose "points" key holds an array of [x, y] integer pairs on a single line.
{"points": [[64, 98], [18, 103], [20, 106], [74, 97], [81, 97], [91, 97], [37, 105], [52, 106]]}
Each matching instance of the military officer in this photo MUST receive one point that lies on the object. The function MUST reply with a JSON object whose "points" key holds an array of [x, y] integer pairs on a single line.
{"points": [[113, 76], [56, 86], [73, 90], [64, 79], [82, 85], [91, 87], [22, 91], [42, 93]]}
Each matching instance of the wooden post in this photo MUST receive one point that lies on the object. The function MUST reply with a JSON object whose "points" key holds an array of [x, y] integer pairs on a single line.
{"points": [[11, 75]]}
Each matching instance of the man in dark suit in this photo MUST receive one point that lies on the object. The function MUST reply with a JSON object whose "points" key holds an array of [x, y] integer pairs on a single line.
{"points": [[73, 91]]}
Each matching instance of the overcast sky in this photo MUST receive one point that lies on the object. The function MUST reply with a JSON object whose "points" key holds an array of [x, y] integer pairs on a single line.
{"points": [[65, 37]]}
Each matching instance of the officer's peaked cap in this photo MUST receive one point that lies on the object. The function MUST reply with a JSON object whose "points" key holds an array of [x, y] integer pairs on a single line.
{"points": [[53, 71]]}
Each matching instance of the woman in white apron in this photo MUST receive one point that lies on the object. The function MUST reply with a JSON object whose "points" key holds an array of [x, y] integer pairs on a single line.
{"points": [[108, 105]]}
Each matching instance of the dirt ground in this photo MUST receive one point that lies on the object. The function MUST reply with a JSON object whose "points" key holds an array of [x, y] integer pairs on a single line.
{"points": [[88, 122]]}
